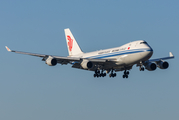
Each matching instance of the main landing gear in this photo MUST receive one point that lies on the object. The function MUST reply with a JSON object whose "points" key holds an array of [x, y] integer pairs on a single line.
{"points": [[98, 74], [126, 73], [112, 74]]}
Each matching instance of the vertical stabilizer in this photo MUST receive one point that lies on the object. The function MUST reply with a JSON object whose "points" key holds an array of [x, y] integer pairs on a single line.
{"points": [[72, 45]]}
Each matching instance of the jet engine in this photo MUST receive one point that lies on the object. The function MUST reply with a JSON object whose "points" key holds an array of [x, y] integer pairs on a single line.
{"points": [[150, 66], [51, 61], [162, 65], [86, 64]]}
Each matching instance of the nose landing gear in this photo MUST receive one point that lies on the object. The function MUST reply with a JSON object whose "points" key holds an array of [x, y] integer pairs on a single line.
{"points": [[141, 68]]}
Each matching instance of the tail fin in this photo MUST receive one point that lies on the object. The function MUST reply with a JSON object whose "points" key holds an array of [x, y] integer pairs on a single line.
{"points": [[72, 45]]}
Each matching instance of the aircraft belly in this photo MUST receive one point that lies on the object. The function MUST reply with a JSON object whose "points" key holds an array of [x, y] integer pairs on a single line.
{"points": [[123, 61]]}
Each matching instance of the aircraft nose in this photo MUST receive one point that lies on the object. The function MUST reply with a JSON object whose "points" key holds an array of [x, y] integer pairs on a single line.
{"points": [[150, 52], [151, 49], [147, 54]]}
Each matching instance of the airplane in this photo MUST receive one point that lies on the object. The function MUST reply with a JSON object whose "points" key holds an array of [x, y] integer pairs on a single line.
{"points": [[107, 61]]}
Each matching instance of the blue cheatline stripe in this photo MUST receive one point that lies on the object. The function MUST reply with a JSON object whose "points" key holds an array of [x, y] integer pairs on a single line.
{"points": [[120, 53]]}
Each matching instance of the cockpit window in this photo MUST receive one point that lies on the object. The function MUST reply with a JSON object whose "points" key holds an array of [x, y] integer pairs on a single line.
{"points": [[143, 43]]}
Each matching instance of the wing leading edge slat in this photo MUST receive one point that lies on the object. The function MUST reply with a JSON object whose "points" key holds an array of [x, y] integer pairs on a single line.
{"points": [[61, 59], [171, 56]]}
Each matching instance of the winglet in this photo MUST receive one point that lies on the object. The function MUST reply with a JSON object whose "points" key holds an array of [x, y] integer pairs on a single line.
{"points": [[8, 49], [171, 55]]}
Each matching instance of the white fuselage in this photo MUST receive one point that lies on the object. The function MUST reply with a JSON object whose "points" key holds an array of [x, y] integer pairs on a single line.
{"points": [[128, 54]]}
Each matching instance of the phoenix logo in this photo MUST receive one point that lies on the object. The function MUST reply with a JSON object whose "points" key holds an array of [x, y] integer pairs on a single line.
{"points": [[70, 42]]}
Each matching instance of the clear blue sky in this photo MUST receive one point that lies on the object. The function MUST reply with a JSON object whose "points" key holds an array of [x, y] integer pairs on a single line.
{"points": [[31, 90]]}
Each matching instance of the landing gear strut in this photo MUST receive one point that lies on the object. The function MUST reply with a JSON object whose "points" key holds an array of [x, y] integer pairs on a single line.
{"points": [[112, 74], [141, 67], [126, 73]]}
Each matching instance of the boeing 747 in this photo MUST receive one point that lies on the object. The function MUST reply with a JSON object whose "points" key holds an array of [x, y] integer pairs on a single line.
{"points": [[106, 61]]}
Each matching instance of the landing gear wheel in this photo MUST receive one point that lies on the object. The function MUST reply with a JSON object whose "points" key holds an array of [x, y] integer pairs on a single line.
{"points": [[94, 75], [104, 74], [126, 76], [126, 73], [114, 74], [141, 68], [99, 74]]}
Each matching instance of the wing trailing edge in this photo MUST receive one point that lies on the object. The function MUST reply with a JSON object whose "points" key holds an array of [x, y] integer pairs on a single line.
{"points": [[171, 56]]}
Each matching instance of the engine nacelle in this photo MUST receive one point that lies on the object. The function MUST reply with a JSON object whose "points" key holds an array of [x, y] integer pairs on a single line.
{"points": [[86, 64], [51, 61], [150, 66], [162, 65]]}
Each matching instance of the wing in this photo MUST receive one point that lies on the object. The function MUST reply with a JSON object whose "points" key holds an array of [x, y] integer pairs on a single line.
{"points": [[171, 56], [62, 60]]}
